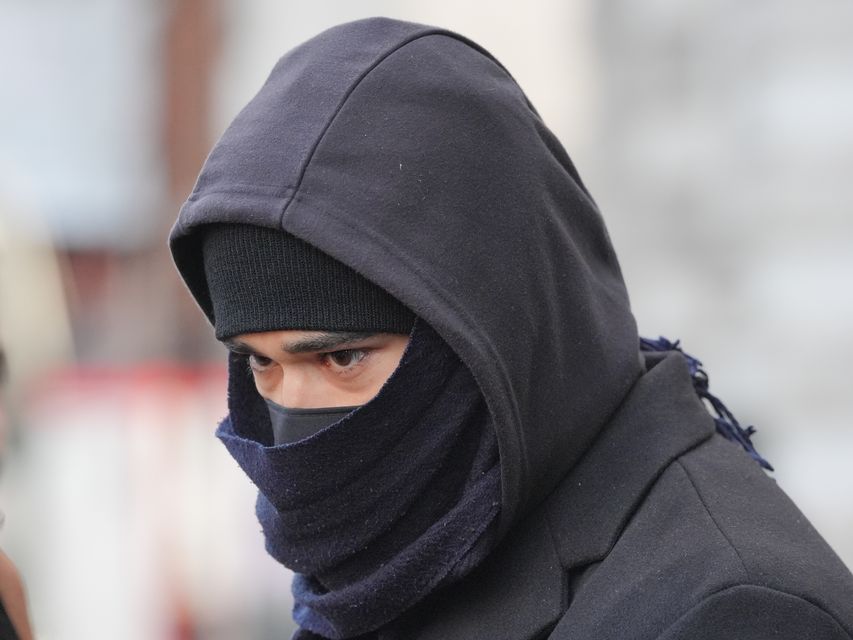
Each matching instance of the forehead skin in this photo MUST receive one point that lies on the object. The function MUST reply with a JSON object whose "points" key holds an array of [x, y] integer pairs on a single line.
{"points": [[307, 341]]}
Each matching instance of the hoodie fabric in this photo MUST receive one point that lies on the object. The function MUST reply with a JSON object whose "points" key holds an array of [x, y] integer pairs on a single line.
{"points": [[413, 157], [409, 154]]}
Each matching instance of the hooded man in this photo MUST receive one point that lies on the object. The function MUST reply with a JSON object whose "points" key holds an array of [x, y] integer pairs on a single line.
{"points": [[436, 381]]}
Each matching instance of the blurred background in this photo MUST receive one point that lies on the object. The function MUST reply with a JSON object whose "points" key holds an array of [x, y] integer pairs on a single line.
{"points": [[717, 138]]}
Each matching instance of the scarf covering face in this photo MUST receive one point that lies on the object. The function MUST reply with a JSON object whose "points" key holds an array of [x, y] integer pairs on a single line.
{"points": [[377, 510]]}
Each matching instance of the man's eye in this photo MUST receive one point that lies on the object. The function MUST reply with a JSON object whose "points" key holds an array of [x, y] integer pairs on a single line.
{"points": [[346, 358], [259, 363]]}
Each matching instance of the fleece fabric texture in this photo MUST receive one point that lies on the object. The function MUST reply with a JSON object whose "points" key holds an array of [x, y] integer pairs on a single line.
{"points": [[409, 154], [377, 510]]}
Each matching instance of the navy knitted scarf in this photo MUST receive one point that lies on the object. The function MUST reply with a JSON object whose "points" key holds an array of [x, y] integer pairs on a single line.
{"points": [[376, 511], [724, 420]]}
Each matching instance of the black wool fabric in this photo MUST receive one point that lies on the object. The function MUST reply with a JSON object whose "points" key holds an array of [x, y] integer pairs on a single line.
{"points": [[263, 280], [382, 507]]}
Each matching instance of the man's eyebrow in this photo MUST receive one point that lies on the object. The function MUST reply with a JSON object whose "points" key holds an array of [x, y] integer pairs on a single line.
{"points": [[325, 341], [237, 347], [320, 342]]}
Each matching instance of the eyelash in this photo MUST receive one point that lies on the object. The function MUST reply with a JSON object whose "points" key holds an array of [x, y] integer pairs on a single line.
{"points": [[323, 358], [249, 358]]}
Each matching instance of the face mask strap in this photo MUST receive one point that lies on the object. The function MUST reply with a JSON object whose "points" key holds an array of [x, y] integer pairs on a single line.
{"points": [[301, 411]]}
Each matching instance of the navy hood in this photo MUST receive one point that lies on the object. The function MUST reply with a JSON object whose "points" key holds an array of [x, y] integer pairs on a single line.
{"points": [[408, 153]]}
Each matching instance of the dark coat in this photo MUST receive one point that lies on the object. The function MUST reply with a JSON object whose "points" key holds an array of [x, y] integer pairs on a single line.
{"points": [[410, 154], [663, 531]]}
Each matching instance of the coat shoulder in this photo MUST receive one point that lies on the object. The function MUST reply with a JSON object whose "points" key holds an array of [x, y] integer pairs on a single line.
{"points": [[777, 546], [714, 542], [751, 612]]}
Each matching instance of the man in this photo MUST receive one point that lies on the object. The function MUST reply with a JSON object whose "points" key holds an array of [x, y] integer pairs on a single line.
{"points": [[436, 380], [14, 618]]}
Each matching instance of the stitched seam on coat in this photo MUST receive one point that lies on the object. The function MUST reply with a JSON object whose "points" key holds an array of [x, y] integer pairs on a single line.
{"points": [[749, 585], [434, 31], [344, 100], [639, 502], [713, 519], [565, 594]]}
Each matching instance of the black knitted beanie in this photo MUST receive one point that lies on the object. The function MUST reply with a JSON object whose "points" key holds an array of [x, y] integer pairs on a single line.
{"points": [[263, 279]]}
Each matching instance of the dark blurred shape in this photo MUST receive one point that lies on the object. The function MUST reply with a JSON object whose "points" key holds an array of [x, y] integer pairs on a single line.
{"points": [[14, 619]]}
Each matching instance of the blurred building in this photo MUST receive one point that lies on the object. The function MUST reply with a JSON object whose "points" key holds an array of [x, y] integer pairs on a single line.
{"points": [[724, 146]]}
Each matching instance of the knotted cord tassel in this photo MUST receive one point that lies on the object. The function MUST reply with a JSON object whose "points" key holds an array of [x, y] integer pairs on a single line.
{"points": [[727, 424]]}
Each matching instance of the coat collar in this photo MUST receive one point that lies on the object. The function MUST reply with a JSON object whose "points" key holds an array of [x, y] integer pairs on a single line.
{"points": [[522, 589], [660, 419]]}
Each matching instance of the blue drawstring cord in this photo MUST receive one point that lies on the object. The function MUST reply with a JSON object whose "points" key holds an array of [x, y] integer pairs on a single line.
{"points": [[727, 424]]}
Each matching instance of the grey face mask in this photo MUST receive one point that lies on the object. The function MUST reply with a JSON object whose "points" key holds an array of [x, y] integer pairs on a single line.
{"points": [[290, 425]]}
